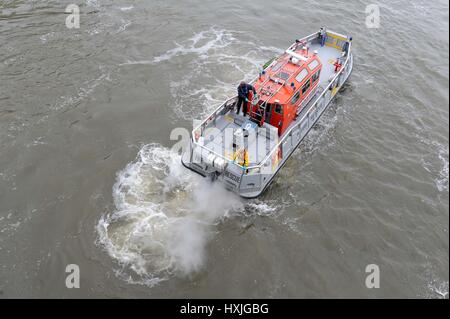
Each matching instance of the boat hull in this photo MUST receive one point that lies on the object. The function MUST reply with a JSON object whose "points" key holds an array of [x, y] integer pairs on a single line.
{"points": [[251, 181]]}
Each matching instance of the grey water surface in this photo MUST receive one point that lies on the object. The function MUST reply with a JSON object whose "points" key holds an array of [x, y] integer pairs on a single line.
{"points": [[87, 175]]}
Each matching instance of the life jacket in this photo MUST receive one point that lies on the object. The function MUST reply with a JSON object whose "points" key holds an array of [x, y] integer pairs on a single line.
{"points": [[241, 156]]}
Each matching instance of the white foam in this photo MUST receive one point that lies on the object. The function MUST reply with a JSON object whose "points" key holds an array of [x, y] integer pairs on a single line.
{"points": [[436, 287], [442, 179], [92, 3], [87, 88], [44, 38], [142, 62], [163, 219], [129, 8], [436, 162], [215, 39], [440, 290], [260, 208], [124, 25], [201, 89], [107, 19]]}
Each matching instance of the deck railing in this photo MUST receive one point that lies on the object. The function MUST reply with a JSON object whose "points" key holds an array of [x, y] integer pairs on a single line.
{"points": [[305, 117], [199, 130]]}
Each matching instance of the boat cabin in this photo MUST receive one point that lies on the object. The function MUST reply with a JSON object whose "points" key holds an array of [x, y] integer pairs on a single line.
{"points": [[284, 87]]}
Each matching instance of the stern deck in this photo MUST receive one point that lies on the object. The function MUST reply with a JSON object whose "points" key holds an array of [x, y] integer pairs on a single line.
{"points": [[219, 136]]}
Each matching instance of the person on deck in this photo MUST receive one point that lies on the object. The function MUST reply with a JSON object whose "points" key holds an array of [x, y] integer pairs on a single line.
{"points": [[243, 91], [322, 36]]}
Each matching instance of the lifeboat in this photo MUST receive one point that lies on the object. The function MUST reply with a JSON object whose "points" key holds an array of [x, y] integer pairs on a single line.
{"points": [[290, 94]]}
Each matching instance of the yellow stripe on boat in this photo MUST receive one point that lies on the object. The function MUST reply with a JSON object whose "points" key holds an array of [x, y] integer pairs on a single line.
{"points": [[338, 37], [332, 40], [334, 91]]}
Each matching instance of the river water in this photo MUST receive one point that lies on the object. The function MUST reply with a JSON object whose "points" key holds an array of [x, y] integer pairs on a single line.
{"points": [[87, 175]]}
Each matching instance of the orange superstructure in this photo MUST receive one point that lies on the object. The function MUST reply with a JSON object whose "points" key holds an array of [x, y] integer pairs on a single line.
{"points": [[284, 85]]}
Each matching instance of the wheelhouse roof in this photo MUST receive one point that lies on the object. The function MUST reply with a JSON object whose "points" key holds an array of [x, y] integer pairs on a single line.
{"points": [[284, 71]]}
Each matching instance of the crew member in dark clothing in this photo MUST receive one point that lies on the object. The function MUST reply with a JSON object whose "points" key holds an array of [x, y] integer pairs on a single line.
{"points": [[322, 36], [243, 90]]}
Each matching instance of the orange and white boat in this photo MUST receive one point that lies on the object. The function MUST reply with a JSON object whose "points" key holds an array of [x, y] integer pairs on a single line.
{"points": [[292, 92]]}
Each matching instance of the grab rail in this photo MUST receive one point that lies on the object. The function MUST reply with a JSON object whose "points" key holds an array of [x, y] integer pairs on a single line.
{"points": [[289, 132], [307, 38]]}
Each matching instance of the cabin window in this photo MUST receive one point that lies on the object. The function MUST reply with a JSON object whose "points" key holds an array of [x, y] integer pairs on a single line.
{"points": [[302, 75], [313, 64], [295, 97], [279, 108], [283, 75], [277, 66], [316, 76], [306, 86]]}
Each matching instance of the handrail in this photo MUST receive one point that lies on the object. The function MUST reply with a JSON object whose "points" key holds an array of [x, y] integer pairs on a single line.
{"points": [[307, 96], [312, 36], [288, 133]]}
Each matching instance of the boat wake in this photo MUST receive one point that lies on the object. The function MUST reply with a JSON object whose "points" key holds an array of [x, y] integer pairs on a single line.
{"points": [[436, 162], [165, 214], [164, 217], [215, 60]]}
